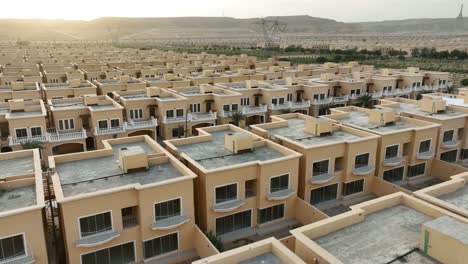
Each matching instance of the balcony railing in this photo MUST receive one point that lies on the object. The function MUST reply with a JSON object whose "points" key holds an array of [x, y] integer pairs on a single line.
{"points": [[174, 119], [227, 206], [55, 136], [398, 91], [322, 178], [340, 99], [196, 117], [392, 161], [281, 195], [425, 155], [135, 124], [363, 170], [12, 141], [97, 239], [292, 105], [170, 223], [109, 130], [254, 109], [322, 101]]}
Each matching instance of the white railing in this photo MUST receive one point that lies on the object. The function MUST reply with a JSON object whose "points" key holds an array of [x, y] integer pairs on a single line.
{"points": [[341, 98], [254, 109], [322, 101], [201, 117], [133, 124], [109, 130], [60, 137], [398, 91], [173, 119], [290, 105], [18, 141]]}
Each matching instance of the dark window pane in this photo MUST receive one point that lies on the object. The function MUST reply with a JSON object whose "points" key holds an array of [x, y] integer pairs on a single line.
{"points": [[323, 194]]}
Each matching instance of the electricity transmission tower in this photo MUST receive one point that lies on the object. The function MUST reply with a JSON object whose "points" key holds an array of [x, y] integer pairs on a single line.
{"points": [[270, 29]]}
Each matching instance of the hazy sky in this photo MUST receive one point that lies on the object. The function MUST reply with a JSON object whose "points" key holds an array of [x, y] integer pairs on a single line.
{"points": [[341, 10]]}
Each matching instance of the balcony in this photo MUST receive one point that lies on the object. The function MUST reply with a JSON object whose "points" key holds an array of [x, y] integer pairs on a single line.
{"points": [[449, 144], [396, 92], [55, 136], [364, 170], [322, 101], [134, 124], [322, 178], [227, 206], [254, 110], [170, 223], [109, 130], [425, 155], [392, 161], [97, 239], [340, 99], [280, 195], [290, 105], [175, 119], [12, 141], [199, 117]]}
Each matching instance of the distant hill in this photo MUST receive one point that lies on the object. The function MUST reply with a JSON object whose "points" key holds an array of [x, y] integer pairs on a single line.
{"points": [[152, 28]]}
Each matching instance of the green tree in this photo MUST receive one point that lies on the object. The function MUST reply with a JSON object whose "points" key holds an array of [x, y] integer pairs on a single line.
{"points": [[216, 241], [325, 108], [237, 117], [365, 100], [286, 111], [464, 82]]}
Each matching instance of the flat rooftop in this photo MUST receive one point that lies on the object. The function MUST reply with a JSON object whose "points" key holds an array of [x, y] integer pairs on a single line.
{"points": [[15, 198], [212, 154], [96, 174], [69, 105], [382, 237], [416, 109], [102, 107], [458, 198], [295, 131], [267, 258], [16, 166], [360, 119]]}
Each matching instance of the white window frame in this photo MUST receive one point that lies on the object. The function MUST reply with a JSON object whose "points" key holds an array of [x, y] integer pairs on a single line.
{"points": [[277, 176], [31, 134], [167, 200], [68, 120], [23, 234], [430, 144], [385, 152], [195, 107], [136, 112], [98, 213], [219, 186], [175, 112], [107, 121], [359, 154], [245, 101], [315, 161], [110, 122], [25, 128]]}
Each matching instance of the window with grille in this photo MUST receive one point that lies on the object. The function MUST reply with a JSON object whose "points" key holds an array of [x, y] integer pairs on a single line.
{"points": [[195, 108], [233, 222], [391, 152], [320, 167], [226, 193], [11, 247], [167, 209], [394, 175], [169, 113], [67, 124], [361, 161], [323, 194], [121, 254], [270, 213], [115, 122], [21, 132], [179, 112], [102, 124], [279, 183], [425, 146], [448, 136], [94, 224], [353, 187], [416, 170], [36, 131], [160, 245], [136, 113]]}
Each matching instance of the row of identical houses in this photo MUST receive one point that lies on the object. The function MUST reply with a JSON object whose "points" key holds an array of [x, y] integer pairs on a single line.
{"points": [[142, 165]]}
